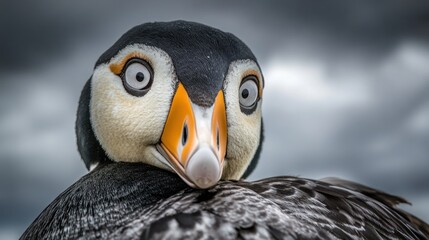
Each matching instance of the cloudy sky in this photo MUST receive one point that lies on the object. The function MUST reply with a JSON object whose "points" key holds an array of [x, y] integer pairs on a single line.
{"points": [[347, 90]]}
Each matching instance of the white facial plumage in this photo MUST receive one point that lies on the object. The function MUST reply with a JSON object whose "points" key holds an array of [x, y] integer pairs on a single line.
{"points": [[129, 127]]}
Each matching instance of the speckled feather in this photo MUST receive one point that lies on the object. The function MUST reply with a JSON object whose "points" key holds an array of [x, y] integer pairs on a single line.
{"points": [[137, 201]]}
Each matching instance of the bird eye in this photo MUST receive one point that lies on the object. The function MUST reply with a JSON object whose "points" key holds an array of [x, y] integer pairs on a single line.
{"points": [[137, 77], [248, 93]]}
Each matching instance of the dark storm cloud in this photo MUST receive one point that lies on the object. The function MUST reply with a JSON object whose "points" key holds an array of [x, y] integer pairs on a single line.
{"points": [[362, 25], [352, 102], [33, 31]]}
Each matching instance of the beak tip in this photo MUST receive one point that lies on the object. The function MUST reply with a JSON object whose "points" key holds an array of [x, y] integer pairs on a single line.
{"points": [[204, 168]]}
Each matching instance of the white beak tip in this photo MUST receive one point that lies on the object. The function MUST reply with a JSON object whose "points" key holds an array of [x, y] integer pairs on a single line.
{"points": [[204, 169]]}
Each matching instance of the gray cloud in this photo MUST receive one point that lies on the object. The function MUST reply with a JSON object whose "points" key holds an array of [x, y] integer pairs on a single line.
{"points": [[363, 121]]}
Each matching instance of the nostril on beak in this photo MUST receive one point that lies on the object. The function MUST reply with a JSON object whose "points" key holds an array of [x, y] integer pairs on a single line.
{"points": [[217, 138], [185, 134]]}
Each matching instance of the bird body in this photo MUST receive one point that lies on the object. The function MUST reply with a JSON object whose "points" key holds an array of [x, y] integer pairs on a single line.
{"points": [[170, 124], [138, 201]]}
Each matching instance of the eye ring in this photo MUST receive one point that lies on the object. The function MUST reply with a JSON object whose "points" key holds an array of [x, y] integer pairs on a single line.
{"points": [[249, 94], [137, 77]]}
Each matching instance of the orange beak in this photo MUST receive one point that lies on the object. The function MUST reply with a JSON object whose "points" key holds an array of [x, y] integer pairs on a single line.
{"points": [[194, 139]]}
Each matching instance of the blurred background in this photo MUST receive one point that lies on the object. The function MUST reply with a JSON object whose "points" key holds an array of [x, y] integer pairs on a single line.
{"points": [[347, 90]]}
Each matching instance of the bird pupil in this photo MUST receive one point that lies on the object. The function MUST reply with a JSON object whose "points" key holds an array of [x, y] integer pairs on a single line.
{"points": [[140, 76], [245, 93]]}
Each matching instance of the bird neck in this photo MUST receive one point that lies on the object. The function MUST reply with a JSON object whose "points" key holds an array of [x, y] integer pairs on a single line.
{"points": [[145, 182], [103, 198]]}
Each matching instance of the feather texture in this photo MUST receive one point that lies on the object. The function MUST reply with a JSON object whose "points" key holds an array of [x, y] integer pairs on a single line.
{"points": [[137, 201]]}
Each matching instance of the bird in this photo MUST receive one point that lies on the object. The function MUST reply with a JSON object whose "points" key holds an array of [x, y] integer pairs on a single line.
{"points": [[170, 125]]}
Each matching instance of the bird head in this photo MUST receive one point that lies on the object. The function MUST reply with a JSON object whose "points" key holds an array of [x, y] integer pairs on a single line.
{"points": [[180, 96]]}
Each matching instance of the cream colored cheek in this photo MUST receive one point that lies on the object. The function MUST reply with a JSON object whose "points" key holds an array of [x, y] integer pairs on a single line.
{"points": [[123, 123], [242, 144]]}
